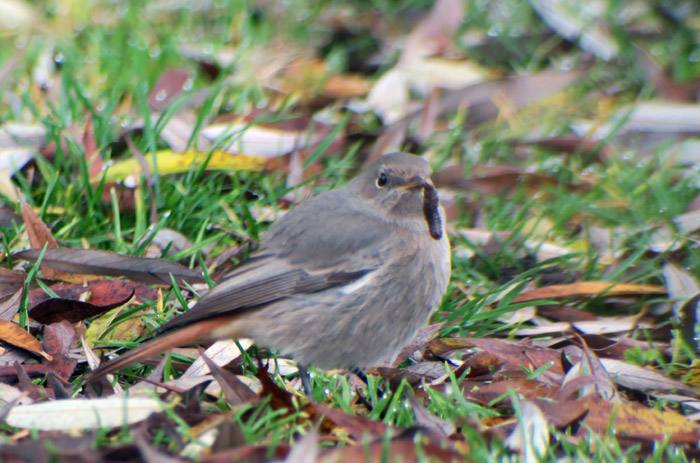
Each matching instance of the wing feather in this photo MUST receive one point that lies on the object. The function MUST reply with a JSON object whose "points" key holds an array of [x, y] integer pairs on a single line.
{"points": [[301, 253]]}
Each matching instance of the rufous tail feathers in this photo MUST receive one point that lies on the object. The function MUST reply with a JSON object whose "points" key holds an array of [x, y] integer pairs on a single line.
{"points": [[179, 337]]}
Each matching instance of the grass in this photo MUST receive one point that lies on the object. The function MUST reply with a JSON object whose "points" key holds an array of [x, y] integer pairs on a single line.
{"points": [[107, 57]]}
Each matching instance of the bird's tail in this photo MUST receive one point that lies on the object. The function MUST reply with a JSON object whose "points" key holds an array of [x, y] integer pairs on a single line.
{"points": [[179, 337]]}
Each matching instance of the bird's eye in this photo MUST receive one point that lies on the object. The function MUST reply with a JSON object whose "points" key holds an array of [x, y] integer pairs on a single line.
{"points": [[382, 180]]}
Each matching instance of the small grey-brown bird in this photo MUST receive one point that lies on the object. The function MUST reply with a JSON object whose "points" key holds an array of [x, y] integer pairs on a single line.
{"points": [[344, 280]]}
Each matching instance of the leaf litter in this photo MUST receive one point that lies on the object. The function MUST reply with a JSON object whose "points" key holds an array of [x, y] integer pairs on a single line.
{"points": [[573, 336]]}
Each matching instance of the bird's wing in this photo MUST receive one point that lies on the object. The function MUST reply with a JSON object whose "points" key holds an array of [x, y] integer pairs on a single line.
{"points": [[324, 232], [296, 258]]}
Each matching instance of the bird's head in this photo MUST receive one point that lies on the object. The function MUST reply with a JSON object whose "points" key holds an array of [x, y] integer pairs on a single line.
{"points": [[399, 185]]}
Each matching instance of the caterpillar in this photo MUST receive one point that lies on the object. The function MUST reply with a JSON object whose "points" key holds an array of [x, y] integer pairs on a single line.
{"points": [[431, 204]]}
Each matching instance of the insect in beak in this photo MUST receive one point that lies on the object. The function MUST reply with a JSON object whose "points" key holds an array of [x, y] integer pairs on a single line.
{"points": [[431, 210]]}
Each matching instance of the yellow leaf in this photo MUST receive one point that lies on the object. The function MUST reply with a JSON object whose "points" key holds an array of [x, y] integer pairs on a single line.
{"points": [[171, 162], [128, 329], [99, 326]]}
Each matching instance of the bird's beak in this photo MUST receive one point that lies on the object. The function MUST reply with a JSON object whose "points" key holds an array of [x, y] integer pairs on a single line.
{"points": [[416, 183]]}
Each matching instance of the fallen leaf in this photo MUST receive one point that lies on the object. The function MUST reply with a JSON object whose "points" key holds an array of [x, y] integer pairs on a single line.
{"points": [[434, 32], [220, 353], [56, 309], [172, 162], [632, 418], [680, 283], [40, 236], [582, 22], [264, 141], [11, 333], [66, 415], [588, 289], [10, 307], [169, 86], [643, 379], [530, 437], [596, 379], [510, 353], [527, 388], [406, 447], [57, 341], [305, 450], [100, 292], [94, 262], [235, 391]]}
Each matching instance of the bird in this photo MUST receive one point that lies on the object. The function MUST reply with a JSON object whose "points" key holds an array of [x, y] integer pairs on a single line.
{"points": [[342, 281]]}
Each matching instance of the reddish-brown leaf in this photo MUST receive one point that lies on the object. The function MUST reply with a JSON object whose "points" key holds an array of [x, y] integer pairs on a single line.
{"points": [[169, 85], [56, 310], [510, 353], [25, 383], [102, 292], [403, 448], [37, 231], [528, 388], [57, 341], [354, 425], [92, 155]]}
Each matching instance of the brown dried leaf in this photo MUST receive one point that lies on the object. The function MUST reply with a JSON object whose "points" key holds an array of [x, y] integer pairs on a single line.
{"points": [[440, 428], [10, 307], [94, 262], [57, 341], [355, 425], [418, 342], [434, 33], [402, 448], [11, 333], [589, 366], [497, 180], [632, 418], [169, 86], [588, 289], [527, 388], [56, 310], [510, 353], [101, 292], [235, 391], [25, 383], [40, 235], [92, 154], [346, 86]]}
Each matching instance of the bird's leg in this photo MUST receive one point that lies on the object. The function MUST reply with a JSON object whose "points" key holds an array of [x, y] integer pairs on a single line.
{"points": [[363, 377], [305, 381], [360, 374]]}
